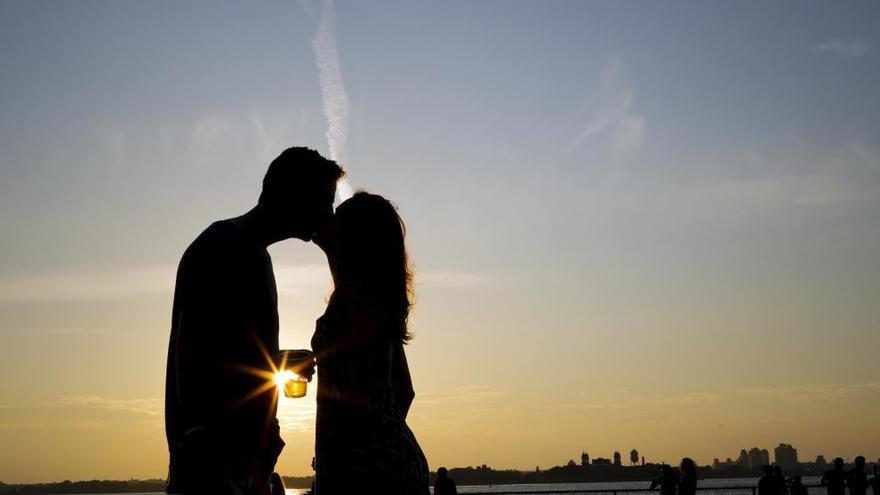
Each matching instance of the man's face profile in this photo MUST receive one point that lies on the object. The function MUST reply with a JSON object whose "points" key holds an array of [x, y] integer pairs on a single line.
{"points": [[310, 211]]}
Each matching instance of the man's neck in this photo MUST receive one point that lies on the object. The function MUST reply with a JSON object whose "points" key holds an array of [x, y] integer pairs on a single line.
{"points": [[258, 227]]}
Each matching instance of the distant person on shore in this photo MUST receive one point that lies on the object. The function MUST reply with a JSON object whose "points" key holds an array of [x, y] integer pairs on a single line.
{"points": [[767, 485], [444, 485], [796, 486], [857, 479], [835, 479], [687, 485], [312, 486], [667, 481], [875, 481], [276, 484]]}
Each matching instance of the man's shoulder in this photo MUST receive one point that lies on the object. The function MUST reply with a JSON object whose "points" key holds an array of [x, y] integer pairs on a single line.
{"points": [[219, 236], [219, 241]]}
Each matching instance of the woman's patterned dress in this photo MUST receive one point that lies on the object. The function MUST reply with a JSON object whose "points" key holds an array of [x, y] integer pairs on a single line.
{"points": [[362, 442]]}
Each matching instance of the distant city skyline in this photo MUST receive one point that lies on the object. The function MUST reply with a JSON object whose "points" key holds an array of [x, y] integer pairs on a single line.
{"points": [[632, 224]]}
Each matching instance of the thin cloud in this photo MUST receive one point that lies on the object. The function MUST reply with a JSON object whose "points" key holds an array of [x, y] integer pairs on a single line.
{"points": [[87, 285], [841, 176], [811, 394], [296, 280], [334, 98], [451, 279], [612, 117], [58, 332], [147, 407], [470, 394], [297, 414], [628, 400], [292, 280], [846, 48]]}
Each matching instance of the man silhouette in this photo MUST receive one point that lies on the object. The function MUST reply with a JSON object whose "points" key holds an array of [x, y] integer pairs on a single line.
{"points": [[220, 402], [856, 478], [834, 479], [444, 485]]}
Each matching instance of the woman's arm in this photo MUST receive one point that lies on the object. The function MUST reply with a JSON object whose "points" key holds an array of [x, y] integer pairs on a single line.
{"points": [[401, 381]]}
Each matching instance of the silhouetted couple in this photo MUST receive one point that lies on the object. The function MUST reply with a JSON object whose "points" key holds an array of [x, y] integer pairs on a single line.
{"points": [[856, 479], [220, 400]]}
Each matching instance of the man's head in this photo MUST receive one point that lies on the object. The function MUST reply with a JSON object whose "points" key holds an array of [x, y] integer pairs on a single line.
{"points": [[860, 462], [442, 472], [298, 192], [838, 463]]}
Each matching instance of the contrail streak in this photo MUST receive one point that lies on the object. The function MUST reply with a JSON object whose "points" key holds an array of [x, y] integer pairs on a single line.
{"points": [[333, 95]]}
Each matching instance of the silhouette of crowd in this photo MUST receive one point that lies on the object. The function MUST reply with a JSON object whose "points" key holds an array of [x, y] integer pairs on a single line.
{"points": [[837, 481], [671, 482]]}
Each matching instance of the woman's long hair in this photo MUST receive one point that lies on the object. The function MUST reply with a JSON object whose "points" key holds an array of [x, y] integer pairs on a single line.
{"points": [[369, 251]]}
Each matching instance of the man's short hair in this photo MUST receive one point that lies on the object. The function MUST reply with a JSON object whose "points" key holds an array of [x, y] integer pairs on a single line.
{"points": [[298, 169]]}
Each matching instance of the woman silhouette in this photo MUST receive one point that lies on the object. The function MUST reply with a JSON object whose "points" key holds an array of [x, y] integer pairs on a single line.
{"points": [[364, 387]]}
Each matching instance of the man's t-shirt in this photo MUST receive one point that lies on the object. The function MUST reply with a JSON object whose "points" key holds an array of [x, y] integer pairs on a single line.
{"points": [[224, 335]]}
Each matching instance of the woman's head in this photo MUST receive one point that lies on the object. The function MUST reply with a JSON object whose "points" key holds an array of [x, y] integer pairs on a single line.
{"points": [[688, 466], [365, 247]]}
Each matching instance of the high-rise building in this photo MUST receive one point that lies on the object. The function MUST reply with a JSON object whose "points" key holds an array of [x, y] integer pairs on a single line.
{"points": [[743, 460], [585, 458], [785, 456], [617, 458], [758, 458], [634, 457]]}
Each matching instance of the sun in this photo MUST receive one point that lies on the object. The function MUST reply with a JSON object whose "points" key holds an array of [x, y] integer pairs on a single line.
{"points": [[282, 377]]}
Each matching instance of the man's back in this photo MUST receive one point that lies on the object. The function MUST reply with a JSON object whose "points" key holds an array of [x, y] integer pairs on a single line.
{"points": [[224, 330]]}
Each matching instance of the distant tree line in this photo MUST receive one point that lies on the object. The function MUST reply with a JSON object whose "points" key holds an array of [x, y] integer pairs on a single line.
{"points": [[91, 486]]}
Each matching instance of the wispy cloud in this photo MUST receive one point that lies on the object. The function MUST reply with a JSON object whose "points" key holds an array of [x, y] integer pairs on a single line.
{"points": [[296, 280], [784, 394], [87, 285], [297, 414], [58, 332], [468, 394], [333, 95], [845, 175], [811, 394], [847, 48], [611, 114], [147, 407], [293, 280], [248, 136], [451, 279]]}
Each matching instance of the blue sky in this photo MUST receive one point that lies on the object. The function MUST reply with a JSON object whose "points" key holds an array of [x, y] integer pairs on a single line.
{"points": [[639, 196]]}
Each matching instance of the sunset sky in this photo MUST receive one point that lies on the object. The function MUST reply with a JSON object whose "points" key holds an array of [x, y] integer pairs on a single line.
{"points": [[638, 225]]}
